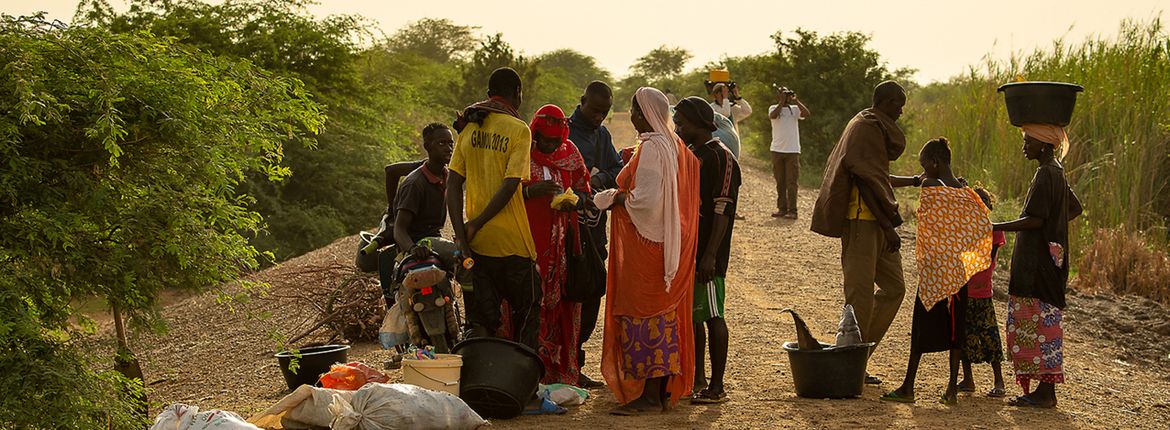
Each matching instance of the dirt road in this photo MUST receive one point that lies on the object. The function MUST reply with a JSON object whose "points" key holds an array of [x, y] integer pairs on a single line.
{"points": [[218, 359]]}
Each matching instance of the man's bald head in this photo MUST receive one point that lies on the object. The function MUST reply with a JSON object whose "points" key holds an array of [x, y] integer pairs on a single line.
{"points": [[889, 98], [887, 90]]}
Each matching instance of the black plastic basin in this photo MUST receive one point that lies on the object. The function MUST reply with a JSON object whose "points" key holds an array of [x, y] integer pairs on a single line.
{"points": [[829, 373], [314, 361], [499, 376], [1040, 102]]}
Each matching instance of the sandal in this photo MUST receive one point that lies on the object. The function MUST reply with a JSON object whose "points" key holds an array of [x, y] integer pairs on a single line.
{"points": [[708, 397], [1027, 402], [966, 388], [996, 393], [893, 396], [547, 407], [947, 401]]}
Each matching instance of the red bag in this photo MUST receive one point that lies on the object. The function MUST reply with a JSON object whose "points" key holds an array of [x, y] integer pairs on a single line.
{"points": [[351, 376], [343, 377]]}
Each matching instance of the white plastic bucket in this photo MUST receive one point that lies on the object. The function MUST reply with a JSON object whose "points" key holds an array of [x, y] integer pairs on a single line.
{"points": [[440, 374]]}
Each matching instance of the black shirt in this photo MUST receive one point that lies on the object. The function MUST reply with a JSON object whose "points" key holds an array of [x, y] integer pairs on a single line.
{"points": [[423, 195], [719, 181], [1034, 272]]}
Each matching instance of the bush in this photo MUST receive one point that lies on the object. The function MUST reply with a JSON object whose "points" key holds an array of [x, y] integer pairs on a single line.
{"points": [[1123, 262]]}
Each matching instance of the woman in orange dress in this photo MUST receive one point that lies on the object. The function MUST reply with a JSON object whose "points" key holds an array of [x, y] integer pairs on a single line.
{"points": [[647, 356]]}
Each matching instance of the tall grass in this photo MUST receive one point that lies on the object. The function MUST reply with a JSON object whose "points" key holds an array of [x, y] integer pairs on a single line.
{"points": [[1120, 132]]}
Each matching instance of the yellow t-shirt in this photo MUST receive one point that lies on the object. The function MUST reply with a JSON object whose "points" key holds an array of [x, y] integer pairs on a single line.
{"points": [[857, 208], [485, 156]]}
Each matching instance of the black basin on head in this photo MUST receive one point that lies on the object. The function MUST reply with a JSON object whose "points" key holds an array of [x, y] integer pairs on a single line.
{"points": [[1037, 102]]}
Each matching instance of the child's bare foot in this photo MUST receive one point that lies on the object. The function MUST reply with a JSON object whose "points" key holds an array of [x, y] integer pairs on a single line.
{"points": [[900, 395], [951, 397], [967, 386]]}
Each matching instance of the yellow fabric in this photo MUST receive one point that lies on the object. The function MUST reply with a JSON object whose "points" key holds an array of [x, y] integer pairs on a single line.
{"points": [[568, 197], [954, 241], [485, 156], [857, 208]]}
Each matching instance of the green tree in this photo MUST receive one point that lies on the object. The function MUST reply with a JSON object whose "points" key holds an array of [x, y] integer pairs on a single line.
{"points": [[661, 63], [833, 74], [439, 40], [336, 186], [120, 181], [564, 73], [660, 68], [493, 52]]}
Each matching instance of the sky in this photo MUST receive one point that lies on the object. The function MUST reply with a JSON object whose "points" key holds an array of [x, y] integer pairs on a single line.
{"points": [[939, 38]]}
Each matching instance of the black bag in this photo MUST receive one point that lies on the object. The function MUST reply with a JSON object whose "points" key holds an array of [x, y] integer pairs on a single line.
{"points": [[586, 274]]}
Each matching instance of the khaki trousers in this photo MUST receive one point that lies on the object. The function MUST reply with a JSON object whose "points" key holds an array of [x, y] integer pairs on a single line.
{"points": [[865, 262], [786, 171]]}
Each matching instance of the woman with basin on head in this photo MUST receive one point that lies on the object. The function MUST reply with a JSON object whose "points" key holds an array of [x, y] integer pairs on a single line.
{"points": [[1039, 271]]}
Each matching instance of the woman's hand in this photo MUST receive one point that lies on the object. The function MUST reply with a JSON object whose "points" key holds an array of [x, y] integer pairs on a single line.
{"points": [[542, 188], [606, 199]]}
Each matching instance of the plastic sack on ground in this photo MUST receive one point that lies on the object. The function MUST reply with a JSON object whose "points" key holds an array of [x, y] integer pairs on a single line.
{"points": [[184, 417], [402, 406], [394, 331], [848, 333], [305, 408], [563, 394]]}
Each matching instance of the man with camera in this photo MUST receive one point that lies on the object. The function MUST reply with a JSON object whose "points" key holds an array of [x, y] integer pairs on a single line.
{"points": [[727, 102], [785, 116]]}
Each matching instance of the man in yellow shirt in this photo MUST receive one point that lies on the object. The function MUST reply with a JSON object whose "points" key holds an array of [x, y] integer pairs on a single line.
{"points": [[489, 162], [857, 204]]}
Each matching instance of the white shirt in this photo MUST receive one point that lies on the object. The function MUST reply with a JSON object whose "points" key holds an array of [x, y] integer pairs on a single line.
{"points": [[737, 112], [786, 129]]}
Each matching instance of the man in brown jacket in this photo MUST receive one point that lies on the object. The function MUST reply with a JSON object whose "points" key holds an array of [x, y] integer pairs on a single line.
{"points": [[857, 204]]}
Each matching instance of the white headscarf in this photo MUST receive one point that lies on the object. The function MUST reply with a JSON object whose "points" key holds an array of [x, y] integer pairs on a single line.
{"points": [[653, 203]]}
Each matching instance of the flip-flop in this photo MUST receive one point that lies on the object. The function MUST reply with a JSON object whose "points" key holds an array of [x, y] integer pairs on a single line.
{"points": [[872, 380], [949, 402], [996, 393], [706, 397], [967, 388], [893, 396], [547, 407], [1025, 402]]}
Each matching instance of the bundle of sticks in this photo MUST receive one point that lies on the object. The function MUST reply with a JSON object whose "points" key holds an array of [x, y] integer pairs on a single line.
{"points": [[348, 304]]}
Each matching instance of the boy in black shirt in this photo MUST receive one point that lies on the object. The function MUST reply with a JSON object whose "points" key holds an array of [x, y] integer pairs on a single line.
{"points": [[420, 207], [419, 210], [719, 180]]}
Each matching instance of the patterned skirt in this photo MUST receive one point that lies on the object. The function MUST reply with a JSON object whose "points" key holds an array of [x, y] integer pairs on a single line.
{"points": [[1035, 340], [983, 343], [650, 346]]}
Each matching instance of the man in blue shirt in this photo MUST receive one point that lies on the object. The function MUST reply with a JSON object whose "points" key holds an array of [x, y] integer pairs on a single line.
{"points": [[601, 159]]}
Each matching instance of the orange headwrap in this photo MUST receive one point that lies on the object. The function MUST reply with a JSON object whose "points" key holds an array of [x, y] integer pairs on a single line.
{"points": [[1051, 134]]}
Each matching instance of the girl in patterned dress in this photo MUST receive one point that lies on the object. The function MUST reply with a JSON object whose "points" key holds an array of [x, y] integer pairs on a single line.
{"points": [[983, 344], [953, 244]]}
